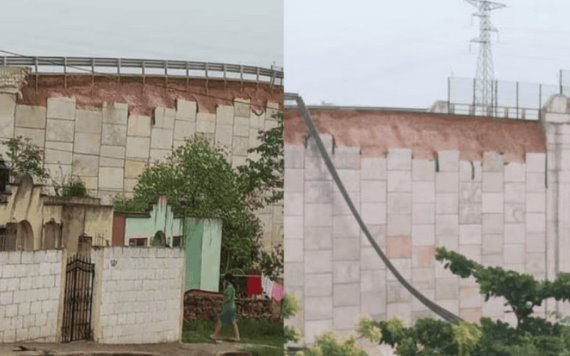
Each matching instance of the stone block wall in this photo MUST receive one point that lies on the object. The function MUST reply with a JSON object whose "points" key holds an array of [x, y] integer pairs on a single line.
{"points": [[492, 211], [138, 295], [30, 289], [108, 148]]}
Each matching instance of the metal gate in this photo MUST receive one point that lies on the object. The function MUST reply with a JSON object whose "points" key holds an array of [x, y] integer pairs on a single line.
{"points": [[79, 276]]}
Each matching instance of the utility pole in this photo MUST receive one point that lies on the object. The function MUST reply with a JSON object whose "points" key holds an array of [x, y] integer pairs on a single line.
{"points": [[485, 69]]}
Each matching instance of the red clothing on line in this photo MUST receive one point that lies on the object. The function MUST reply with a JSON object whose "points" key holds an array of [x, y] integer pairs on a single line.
{"points": [[254, 286]]}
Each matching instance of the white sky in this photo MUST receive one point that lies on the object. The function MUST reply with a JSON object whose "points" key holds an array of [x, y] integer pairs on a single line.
{"points": [[237, 32], [400, 53]]}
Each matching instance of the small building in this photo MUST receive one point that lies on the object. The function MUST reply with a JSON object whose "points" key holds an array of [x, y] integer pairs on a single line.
{"points": [[201, 239], [31, 220]]}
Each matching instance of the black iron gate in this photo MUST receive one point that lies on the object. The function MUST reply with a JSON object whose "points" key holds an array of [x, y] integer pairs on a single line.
{"points": [[79, 276]]}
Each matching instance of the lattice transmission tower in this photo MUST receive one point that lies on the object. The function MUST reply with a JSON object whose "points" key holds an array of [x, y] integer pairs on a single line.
{"points": [[485, 68]]}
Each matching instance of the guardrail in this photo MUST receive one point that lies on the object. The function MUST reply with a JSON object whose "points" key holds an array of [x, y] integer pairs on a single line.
{"points": [[169, 68]]}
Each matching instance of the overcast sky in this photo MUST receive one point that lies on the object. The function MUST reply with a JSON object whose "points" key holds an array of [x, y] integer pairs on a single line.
{"points": [[400, 53], [241, 32]]}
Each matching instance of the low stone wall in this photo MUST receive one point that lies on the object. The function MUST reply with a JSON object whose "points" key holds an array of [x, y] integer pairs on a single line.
{"points": [[30, 288], [200, 305]]}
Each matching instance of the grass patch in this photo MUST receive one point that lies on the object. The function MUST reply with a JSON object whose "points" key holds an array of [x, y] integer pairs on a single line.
{"points": [[267, 334]]}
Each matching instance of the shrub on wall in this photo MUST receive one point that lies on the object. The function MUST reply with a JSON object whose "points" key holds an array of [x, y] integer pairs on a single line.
{"points": [[25, 158]]}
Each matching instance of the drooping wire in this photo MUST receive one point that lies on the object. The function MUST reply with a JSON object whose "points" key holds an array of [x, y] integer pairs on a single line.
{"points": [[437, 309]]}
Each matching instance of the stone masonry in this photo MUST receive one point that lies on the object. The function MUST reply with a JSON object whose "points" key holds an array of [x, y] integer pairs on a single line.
{"points": [[498, 213]]}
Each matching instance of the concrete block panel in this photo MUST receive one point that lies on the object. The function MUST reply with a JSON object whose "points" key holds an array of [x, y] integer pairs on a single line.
{"points": [[447, 203], [492, 245], [466, 171], [293, 180], [470, 234], [515, 193], [33, 117], [493, 182], [112, 156], [448, 161], [470, 297], [447, 182], [295, 277], [129, 185], [318, 285], [399, 203], [493, 224], [346, 249], [293, 251], [535, 182], [111, 178], [423, 192], [6, 126], [346, 271], [373, 281], [400, 310], [317, 238], [185, 110], [345, 318], [515, 172], [293, 204], [378, 233], [318, 261], [423, 256], [85, 165], [133, 169], [184, 130], [113, 135], [535, 222], [318, 215], [164, 118], [240, 146], [87, 143], [473, 252], [241, 126], [59, 152], [369, 260], [345, 226], [514, 213], [256, 121], [159, 154], [535, 264], [312, 149], [205, 123], [450, 242], [373, 168], [470, 193], [399, 159], [347, 157], [470, 213], [139, 125], [535, 243], [314, 329], [294, 156], [396, 293], [224, 136], [423, 235], [293, 225], [399, 225], [423, 279], [515, 233], [514, 254], [423, 214], [242, 107], [269, 123], [536, 162], [60, 130], [404, 266], [346, 295], [373, 213], [7, 105], [447, 225], [115, 113], [225, 115], [493, 162], [493, 203], [161, 138], [36, 136], [399, 181], [318, 308], [138, 147], [373, 191], [398, 247], [447, 288], [61, 108]]}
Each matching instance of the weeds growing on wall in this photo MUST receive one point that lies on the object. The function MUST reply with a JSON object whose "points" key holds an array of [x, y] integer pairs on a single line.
{"points": [[522, 292], [25, 158], [198, 181]]}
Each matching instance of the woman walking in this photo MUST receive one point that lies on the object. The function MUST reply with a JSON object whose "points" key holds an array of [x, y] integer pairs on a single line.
{"points": [[228, 314]]}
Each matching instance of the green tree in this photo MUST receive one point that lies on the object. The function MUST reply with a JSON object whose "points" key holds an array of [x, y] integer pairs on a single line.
{"points": [[25, 158]]}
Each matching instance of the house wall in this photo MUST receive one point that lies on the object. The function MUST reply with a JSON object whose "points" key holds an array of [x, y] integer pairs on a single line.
{"points": [[497, 210], [30, 290], [139, 299], [160, 218]]}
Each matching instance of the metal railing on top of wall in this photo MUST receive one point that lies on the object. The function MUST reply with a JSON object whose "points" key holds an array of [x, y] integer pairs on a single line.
{"points": [[172, 68]]}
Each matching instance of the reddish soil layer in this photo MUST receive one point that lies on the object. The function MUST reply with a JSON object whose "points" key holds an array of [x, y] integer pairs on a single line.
{"points": [[375, 131], [142, 99]]}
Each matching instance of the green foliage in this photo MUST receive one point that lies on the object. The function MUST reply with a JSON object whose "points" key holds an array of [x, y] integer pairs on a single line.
{"points": [[328, 345], [290, 306], [262, 179], [70, 187], [271, 262], [367, 329], [531, 336], [25, 158]]}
